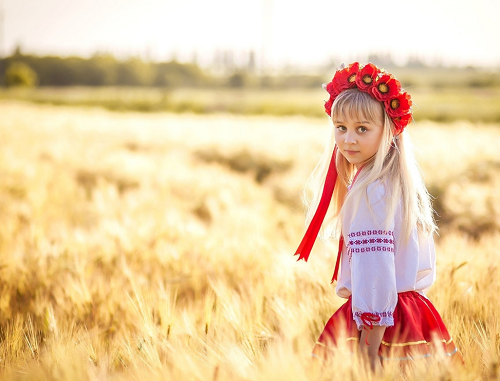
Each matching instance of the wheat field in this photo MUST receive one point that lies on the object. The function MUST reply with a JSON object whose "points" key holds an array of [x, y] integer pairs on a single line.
{"points": [[159, 246]]}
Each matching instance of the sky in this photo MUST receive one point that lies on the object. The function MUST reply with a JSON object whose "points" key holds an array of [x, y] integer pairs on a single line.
{"points": [[281, 32]]}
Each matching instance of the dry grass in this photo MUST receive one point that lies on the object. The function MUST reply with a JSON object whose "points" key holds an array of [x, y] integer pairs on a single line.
{"points": [[133, 247]]}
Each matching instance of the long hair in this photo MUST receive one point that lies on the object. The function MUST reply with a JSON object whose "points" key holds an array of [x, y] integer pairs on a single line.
{"points": [[393, 165]]}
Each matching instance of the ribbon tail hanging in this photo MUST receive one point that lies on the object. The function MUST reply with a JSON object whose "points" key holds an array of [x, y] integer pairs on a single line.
{"points": [[339, 255], [312, 231]]}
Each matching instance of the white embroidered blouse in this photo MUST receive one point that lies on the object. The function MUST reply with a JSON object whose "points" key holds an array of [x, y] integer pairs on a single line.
{"points": [[377, 264]]}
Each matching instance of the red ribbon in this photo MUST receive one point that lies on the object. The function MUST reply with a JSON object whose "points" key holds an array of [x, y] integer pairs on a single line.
{"points": [[339, 254], [368, 319], [307, 242], [341, 240]]}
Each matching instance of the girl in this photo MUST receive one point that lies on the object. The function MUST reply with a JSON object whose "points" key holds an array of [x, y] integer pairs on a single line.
{"points": [[381, 211]]}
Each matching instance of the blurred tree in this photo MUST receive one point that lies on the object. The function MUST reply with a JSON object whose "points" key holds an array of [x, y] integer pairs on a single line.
{"points": [[17, 51], [134, 72], [56, 71], [298, 80], [266, 81], [175, 74], [101, 70], [251, 64], [19, 74], [228, 61], [415, 62], [483, 80], [381, 59], [237, 79]]}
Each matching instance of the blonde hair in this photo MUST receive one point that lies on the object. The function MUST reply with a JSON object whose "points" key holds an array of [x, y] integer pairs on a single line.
{"points": [[393, 165]]}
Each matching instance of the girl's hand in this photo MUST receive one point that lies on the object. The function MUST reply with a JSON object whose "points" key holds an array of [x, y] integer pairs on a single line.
{"points": [[370, 352]]}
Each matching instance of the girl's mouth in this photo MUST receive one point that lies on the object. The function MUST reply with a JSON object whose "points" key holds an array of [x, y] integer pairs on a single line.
{"points": [[351, 152]]}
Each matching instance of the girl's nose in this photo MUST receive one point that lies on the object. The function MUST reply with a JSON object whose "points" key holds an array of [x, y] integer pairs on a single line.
{"points": [[350, 138]]}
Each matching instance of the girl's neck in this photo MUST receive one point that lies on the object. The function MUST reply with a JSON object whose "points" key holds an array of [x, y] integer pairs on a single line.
{"points": [[357, 170]]}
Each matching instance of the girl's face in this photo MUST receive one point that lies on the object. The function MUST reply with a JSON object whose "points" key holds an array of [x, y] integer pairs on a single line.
{"points": [[357, 140]]}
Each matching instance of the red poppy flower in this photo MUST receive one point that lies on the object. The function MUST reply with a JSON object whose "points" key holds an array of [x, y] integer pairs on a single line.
{"points": [[399, 105], [401, 122], [330, 88], [386, 87], [366, 77], [328, 106], [346, 78]]}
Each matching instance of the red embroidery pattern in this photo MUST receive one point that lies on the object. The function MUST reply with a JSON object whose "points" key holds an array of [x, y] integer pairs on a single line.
{"points": [[370, 232], [373, 248], [380, 314], [370, 240]]}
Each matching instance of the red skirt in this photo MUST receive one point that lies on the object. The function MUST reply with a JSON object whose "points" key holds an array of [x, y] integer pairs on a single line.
{"points": [[418, 332]]}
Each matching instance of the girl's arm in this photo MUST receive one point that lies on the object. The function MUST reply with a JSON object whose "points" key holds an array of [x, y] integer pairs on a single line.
{"points": [[374, 338], [371, 249]]}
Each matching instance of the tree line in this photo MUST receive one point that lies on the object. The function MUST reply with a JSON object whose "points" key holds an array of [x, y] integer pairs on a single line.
{"points": [[106, 70], [100, 70], [29, 70]]}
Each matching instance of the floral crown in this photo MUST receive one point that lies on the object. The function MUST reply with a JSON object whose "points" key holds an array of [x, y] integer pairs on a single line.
{"points": [[379, 84]]}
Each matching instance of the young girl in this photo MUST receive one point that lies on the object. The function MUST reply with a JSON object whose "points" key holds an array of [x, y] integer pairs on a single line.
{"points": [[381, 211]]}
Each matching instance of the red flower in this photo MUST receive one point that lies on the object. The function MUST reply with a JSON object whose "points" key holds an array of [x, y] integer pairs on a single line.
{"points": [[366, 77], [401, 122], [330, 88], [399, 105], [328, 106], [346, 78], [386, 87]]}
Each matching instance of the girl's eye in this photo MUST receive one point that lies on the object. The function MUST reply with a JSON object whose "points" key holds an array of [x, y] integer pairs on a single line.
{"points": [[362, 129], [341, 128]]}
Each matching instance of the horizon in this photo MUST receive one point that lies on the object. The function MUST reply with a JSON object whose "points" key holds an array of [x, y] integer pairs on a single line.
{"points": [[387, 61]]}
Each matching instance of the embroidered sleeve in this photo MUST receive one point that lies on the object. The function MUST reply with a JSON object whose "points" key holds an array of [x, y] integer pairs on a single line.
{"points": [[370, 247]]}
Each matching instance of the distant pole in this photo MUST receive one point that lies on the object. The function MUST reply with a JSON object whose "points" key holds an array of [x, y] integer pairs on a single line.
{"points": [[267, 27], [3, 53]]}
